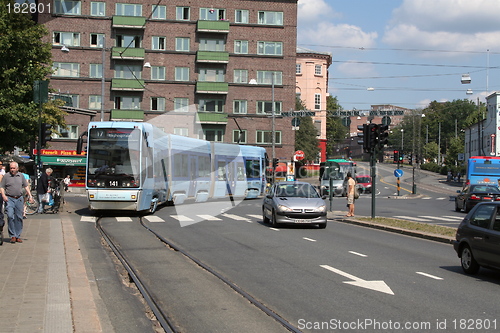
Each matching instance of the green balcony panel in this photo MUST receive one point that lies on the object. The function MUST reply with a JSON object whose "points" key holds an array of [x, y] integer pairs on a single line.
{"points": [[127, 115], [212, 87], [134, 22], [212, 118], [212, 57], [213, 26], [127, 53], [127, 85]]}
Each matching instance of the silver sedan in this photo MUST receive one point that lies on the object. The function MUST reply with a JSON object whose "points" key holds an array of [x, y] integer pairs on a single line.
{"points": [[294, 203]]}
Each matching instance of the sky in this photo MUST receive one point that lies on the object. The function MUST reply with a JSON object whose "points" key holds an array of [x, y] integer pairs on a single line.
{"points": [[404, 52]]}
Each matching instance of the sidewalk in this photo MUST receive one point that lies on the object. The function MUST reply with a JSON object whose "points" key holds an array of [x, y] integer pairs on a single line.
{"points": [[43, 282]]}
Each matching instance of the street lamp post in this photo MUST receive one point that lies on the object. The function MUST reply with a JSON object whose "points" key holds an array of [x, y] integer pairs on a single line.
{"points": [[402, 141]]}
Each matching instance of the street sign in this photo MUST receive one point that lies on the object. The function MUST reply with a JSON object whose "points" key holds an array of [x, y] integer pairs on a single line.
{"points": [[398, 173], [301, 113], [299, 155]]}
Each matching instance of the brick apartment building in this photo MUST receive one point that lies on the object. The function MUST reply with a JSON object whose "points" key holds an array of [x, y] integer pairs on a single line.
{"points": [[202, 69]]}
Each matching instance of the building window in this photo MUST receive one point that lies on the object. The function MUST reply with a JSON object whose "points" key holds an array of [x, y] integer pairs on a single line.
{"points": [[182, 44], [270, 18], [266, 77], [241, 46], [181, 131], [240, 76], [317, 101], [158, 73], [270, 48], [95, 102], [97, 8], [96, 40], [239, 136], [157, 104], [158, 43], [128, 9], [181, 104], [128, 71], [212, 14], [317, 70], [181, 73], [241, 16], [68, 132], [240, 106], [75, 100], [129, 41], [182, 13], [266, 107], [298, 69], [211, 75], [66, 38], [67, 7], [266, 137], [95, 70], [127, 102], [211, 105], [215, 135], [67, 69], [159, 12], [218, 45]]}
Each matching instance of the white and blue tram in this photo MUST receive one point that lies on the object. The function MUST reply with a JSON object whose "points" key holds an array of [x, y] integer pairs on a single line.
{"points": [[136, 166]]}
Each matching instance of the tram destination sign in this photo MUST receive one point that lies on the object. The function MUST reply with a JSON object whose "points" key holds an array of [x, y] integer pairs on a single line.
{"points": [[302, 113]]}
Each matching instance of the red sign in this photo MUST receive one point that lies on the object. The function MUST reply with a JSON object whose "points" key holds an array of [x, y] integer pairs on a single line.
{"points": [[58, 152], [299, 155]]}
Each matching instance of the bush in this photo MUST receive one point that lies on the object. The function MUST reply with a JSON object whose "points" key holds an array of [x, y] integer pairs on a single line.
{"points": [[434, 167]]}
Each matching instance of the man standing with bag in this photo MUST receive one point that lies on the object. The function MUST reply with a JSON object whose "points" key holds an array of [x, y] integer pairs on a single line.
{"points": [[43, 187], [11, 188]]}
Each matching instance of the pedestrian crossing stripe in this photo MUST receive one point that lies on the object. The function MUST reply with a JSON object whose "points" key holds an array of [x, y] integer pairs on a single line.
{"points": [[153, 219], [438, 218], [182, 218], [255, 216], [123, 219], [236, 217], [413, 218], [91, 219], [209, 217]]}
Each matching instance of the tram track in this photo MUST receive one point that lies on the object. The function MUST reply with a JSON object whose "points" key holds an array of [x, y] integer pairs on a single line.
{"points": [[164, 320]]}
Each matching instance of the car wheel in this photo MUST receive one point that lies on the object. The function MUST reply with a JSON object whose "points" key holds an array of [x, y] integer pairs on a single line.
{"points": [[322, 225], [457, 209], [265, 219], [273, 219], [467, 208], [469, 264]]}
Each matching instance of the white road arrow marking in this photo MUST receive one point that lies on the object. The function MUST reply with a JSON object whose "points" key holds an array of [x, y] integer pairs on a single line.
{"points": [[380, 286]]}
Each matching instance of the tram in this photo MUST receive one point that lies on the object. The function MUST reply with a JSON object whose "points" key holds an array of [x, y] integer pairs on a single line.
{"points": [[137, 166]]}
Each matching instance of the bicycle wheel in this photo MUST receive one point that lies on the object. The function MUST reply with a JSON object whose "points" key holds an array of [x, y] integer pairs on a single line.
{"points": [[31, 207]]}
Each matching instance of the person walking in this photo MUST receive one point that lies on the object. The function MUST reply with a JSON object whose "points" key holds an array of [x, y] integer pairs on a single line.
{"points": [[2, 218], [43, 187], [351, 187], [67, 181], [11, 188]]}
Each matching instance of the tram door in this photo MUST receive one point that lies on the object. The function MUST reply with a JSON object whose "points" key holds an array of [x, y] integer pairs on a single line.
{"points": [[193, 175]]}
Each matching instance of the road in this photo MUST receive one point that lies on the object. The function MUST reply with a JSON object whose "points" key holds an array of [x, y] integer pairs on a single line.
{"points": [[344, 276]]}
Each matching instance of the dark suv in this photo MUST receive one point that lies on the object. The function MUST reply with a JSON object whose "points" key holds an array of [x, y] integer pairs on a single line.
{"points": [[478, 238]]}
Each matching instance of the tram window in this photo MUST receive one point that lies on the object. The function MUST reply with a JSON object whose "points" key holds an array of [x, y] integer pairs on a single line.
{"points": [[204, 166], [252, 168], [180, 165], [240, 171], [221, 171]]}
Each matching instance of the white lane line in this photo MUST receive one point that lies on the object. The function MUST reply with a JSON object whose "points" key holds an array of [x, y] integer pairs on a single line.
{"points": [[438, 218], [274, 229], [458, 218], [309, 239], [442, 198], [210, 218], [358, 254], [259, 217], [412, 218], [153, 219], [182, 218], [426, 198], [91, 219], [429, 275], [123, 219], [236, 217]]}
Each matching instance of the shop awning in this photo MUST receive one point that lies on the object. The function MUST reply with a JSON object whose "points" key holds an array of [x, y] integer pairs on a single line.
{"points": [[64, 160]]}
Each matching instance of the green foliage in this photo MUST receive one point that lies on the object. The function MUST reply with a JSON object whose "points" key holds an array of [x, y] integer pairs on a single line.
{"points": [[335, 131], [24, 58], [306, 137], [430, 151]]}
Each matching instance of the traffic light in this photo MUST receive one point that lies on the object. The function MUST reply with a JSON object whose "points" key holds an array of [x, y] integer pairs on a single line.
{"points": [[46, 134], [275, 162], [396, 156], [372, 137], [382, 135], [401, 156], [364, 136]]}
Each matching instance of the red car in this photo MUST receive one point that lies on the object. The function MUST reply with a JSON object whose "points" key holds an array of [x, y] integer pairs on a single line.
{"points": [[364, 183]]}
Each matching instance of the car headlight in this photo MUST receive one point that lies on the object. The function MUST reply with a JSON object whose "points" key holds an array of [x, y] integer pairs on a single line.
{"points": [[320, 209], [284, 208]]}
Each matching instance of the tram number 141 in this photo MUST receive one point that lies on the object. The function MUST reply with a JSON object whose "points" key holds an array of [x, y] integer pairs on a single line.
{"points": [[113, 183]]}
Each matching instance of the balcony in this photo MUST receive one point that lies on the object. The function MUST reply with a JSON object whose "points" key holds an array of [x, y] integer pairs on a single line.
{"points": [[212, 57], [213, 26], [211, 118], [127, 85], [127, 115], [131, 22], [212, 88], [119, 53]]}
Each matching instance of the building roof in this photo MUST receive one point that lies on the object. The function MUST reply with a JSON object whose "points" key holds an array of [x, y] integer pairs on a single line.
{"points": [[307, 51]]}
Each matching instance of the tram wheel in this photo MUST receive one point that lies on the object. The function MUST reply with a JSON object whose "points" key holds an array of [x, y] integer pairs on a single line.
{"points": [[154, 205]]}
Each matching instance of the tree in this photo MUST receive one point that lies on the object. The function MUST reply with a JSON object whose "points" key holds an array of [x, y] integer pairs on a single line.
{"points": [[24, 58], [306, 137], [335, 131]]}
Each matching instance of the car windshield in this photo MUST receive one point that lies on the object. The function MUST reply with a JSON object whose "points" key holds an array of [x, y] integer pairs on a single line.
{"points": [[296, 190], [363, 179], [485, 189]]}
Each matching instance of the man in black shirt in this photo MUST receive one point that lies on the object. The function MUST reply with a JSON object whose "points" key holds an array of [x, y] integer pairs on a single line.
{"points": [[43, 187]]}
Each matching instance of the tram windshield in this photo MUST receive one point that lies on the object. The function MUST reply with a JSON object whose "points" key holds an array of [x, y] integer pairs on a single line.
{"points": [[113, 156]]}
